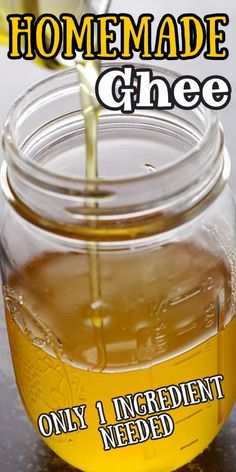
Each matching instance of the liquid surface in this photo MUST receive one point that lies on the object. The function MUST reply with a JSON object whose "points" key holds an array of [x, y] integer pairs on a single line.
{"points": [[160, 327]]}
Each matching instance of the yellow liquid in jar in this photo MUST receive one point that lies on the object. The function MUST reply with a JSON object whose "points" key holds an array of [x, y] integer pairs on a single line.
{"points": [[168, 318]]}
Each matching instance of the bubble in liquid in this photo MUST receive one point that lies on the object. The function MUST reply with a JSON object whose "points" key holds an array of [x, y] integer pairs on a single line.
{"points": [[98, 317], [97, 305]]}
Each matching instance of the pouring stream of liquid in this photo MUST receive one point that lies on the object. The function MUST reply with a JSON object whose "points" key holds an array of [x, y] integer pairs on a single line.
{"points": [[87, 75]]}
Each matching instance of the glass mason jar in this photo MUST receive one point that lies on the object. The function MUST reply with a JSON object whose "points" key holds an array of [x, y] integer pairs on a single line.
{"points": [[123, 286]]}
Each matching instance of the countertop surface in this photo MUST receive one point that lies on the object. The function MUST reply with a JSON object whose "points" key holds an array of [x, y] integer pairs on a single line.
{"points": [[20, 448]]}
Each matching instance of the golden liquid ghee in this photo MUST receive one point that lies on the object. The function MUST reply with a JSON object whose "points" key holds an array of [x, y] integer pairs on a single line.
{"points": [[166, 319]]}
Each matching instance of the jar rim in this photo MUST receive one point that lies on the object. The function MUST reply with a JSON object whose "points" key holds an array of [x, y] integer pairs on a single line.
{"points": [[127, 207], [16, 157]]}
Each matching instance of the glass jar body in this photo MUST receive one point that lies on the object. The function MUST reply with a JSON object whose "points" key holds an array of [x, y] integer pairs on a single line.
{"points": [[165, 316], [119, 293]]}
